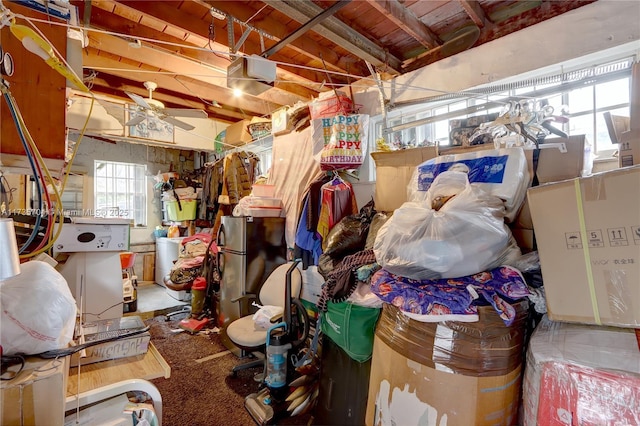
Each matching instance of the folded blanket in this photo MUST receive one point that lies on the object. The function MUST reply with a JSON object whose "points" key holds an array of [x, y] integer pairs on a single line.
{"points": [[453, 298]]}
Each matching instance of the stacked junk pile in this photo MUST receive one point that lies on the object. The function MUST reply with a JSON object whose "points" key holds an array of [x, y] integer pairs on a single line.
{"points": [[432, 313]]}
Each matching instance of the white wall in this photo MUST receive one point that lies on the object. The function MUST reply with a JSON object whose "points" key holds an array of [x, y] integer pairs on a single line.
{"points": [[157, 159], [201, 138]]}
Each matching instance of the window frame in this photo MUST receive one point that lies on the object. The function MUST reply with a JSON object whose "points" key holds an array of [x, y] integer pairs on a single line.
{"points": [[130, 203]]}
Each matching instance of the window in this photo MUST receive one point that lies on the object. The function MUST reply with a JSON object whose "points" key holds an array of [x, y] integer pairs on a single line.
{"points": [[587, 94], [120, 191]]}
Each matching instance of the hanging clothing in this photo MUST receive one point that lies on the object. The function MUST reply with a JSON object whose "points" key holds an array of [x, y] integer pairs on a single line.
{"points": [[337, 201], [308, 243]]}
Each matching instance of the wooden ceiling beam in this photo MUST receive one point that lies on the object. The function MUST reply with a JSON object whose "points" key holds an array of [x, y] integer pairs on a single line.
{"points": [[197, 31], [114, 17], [304, 45], [128, 69], [179, 66], [407, 21], [339, 33], [475, 12]]}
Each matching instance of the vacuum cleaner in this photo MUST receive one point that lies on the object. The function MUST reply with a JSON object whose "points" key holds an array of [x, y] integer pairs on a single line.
{"points": [[204, 294], [268, 404]]}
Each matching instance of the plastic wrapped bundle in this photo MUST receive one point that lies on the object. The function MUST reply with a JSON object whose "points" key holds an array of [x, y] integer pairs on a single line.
{"points": [[465, 236], [38, 310], [581, 375]]}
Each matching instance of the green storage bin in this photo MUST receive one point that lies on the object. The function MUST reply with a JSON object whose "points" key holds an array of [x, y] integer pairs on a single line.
{"points": [[188, 211]]}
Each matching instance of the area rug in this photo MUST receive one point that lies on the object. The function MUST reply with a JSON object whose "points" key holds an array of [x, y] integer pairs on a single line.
{"points": [[201, 390]]}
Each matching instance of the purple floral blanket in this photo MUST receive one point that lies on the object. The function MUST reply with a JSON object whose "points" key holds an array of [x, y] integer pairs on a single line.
{"points": [[452, 298]]}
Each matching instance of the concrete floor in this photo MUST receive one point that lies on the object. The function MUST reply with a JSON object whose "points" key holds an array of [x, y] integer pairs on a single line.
{"points": [[153, 299]]}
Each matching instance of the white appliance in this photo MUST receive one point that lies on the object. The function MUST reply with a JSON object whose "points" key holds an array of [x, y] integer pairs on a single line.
{"points": [[93, 234], [93, 270], [167, 252]]}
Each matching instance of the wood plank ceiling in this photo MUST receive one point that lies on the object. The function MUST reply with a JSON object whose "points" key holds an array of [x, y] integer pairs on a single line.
{"points": [[186, 46]]}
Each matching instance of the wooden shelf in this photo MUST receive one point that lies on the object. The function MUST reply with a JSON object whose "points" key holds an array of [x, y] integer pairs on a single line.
{"points": [[150, 365]]}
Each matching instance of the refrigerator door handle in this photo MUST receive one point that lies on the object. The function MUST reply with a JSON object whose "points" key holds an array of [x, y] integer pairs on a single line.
{"points": [[221, 238], [220, 262]]}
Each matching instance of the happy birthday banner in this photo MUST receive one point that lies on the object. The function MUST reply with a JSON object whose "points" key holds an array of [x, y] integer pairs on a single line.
{"points": [[340, 142]]}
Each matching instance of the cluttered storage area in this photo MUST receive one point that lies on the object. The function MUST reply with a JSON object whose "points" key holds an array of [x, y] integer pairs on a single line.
{"points": [[358, 258]]}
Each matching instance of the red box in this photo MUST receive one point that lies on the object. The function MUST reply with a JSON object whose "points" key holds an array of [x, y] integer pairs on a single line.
{"points": [[331, 106], [577, 395]]}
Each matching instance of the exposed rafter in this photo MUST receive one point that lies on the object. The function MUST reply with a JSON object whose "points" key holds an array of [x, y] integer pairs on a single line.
{"points": [[475, 12], [407, 21], [338, 32]]}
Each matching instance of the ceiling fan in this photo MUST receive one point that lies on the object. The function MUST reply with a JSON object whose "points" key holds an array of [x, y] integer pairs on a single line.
{"points": [[151, 107]]}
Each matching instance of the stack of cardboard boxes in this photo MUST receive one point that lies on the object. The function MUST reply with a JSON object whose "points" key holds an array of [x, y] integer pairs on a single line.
{"points": [[583, 360]]}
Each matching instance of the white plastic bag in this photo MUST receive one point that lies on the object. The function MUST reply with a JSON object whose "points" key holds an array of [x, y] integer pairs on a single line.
{"points": [[466, 236], [38, 310], [262, 318]]}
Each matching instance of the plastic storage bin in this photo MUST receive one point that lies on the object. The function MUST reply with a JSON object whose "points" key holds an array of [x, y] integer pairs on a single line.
{"points": [[257, 202], [263, 190], [188, 211], [264, 211]]}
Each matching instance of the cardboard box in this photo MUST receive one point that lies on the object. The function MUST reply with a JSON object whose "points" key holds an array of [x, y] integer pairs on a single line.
{"points": [[394, 171], [280, 123], [588, 236], [419, 371], [629, 148], [36, 396], [408, 393], [122, 348], [524, 238], [554, 166], [238, 133]]}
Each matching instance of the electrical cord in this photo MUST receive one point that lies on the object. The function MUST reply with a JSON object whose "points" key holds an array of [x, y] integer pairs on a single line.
{"points": [[29, 146]]}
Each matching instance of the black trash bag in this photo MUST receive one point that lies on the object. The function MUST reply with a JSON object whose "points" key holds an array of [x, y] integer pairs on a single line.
{"points": [[378, 220], [350, 234], [325, 265]]}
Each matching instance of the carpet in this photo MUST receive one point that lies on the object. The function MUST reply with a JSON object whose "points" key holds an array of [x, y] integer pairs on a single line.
{"points": [[201, 390]]}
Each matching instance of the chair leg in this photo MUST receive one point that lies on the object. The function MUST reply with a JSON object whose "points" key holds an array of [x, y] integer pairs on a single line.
{"points": [[251, 364]]}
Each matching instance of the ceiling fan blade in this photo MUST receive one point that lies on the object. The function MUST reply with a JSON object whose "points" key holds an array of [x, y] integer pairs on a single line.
{"points": [[176, 122], [137, 119], [139, 100], [185, 112], [115, 110]]}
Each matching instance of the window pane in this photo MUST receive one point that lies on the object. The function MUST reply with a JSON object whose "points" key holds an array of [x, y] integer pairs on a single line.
{"points": [[116, 187], [612, 93], [581, 99], [582, 125]]}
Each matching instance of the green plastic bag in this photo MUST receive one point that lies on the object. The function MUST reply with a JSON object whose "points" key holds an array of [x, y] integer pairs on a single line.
{"points": [[351, 327]]}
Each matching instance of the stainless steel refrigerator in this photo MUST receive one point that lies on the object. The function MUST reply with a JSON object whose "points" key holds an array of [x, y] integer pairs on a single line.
{"points": [[250, 249]]}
